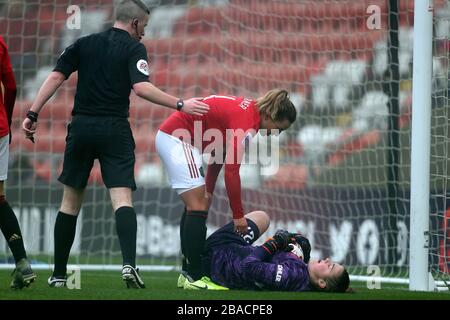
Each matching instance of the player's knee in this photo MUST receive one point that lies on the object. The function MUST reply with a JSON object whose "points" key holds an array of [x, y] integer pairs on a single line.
{"points": [[122, 205], [72, 209], [120, 197], [265, 221], [197, 204], [260, 218], [72, 200]]}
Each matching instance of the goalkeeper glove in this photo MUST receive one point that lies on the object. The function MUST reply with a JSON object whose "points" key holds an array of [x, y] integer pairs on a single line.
{"points": [[304, 244], [279, 241], [296, 250]]}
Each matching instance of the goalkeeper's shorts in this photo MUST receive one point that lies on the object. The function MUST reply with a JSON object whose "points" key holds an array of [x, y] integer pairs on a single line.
{"points": [[182, 161]]}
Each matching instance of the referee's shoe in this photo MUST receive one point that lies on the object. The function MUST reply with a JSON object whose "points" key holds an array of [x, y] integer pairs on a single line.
{"points": [[131, 277], [57, 282]]}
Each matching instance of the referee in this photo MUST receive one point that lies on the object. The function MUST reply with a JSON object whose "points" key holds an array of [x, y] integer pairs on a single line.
{"points": [[109, 64]]}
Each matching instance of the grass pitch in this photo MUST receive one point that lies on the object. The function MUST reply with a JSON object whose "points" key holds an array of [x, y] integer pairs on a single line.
{"points": [[108, 285]]}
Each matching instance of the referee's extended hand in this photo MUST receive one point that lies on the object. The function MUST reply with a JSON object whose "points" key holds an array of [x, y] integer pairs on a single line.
{"points": [[195, 107], [29, 128]]}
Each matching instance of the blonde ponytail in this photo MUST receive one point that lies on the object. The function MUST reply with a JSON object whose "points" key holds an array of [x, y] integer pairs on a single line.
{"points": [[277, 105]]}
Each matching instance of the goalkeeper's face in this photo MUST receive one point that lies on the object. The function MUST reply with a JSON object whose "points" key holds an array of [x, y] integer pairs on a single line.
{"points": [[321, 271]]}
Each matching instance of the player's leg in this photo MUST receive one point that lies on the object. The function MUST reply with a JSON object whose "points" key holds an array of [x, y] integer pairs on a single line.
{"points": [[23, 274], [78, 161], [117, 159], [64, 233], [126, 223], [183, 164], [194, 229], [9, 225], [258, 222], [261, 220], [126, 227], [183, 274]]}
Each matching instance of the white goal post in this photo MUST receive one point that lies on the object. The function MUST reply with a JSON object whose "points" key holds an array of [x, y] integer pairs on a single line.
{"points": [[420, 145]]}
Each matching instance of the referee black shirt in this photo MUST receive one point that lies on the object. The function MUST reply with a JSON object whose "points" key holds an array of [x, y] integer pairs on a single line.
{"points": [[109, 64]]}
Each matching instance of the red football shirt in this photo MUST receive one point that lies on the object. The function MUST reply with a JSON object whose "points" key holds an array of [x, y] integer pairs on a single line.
{"points": [[8, 97], [236, 119]]}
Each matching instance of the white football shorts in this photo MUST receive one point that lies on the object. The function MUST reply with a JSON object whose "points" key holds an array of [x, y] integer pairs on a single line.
{"points": [[4, 157], [182, 161]]}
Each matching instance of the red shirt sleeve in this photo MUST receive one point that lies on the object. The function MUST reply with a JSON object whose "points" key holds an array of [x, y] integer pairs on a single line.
{"points": [[232, 177], [8, 81], [235, 117], [235, 151]]}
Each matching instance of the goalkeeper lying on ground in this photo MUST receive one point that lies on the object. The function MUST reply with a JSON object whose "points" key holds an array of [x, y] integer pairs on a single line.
{"points": [[281, 263]]}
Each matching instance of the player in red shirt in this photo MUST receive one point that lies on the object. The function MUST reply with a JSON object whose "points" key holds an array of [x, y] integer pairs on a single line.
{"points": [[224, 131], [23, 275]]}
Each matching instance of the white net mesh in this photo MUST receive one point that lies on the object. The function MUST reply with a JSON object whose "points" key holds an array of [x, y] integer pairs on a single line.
{"points": [[440, 214], [333, 178]]}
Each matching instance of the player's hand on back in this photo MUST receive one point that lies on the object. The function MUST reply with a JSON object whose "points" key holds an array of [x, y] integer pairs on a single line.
{"points": [[240, 226], [195, 107]]}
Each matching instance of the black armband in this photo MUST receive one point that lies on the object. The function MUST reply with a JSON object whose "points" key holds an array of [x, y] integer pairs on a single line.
{"points": [[33, 116]]}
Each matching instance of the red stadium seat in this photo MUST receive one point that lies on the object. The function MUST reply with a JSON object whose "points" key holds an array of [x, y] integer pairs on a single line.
{"points": [[150, 115], [198, 20], [19, 143], [289, 176], [58, 111], [50, 138], [145, 142], [96, 174], [43, 170]]}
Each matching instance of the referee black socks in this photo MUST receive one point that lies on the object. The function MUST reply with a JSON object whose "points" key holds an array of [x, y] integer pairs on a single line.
{"points": [[64, 233], [11, 230], [126, 226], [194, 241]]}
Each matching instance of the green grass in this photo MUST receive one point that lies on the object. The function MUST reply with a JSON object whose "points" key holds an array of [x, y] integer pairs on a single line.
{"points": [[94, 259], [97, 285]]}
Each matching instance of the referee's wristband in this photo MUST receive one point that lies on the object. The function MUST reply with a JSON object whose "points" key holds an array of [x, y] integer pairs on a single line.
{"points": [[33, 116]]}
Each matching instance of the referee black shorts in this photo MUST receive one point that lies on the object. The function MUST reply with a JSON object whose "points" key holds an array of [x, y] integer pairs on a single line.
{"points": [[108, 139]]}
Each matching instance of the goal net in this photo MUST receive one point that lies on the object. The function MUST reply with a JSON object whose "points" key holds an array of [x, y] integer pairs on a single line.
{"points": [[343, 172]]}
